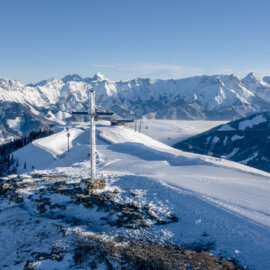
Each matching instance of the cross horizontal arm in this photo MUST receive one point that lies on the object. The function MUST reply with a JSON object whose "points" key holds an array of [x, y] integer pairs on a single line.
{"points": [[104, 113], [80, 113], [97, 113], [123, 121]]}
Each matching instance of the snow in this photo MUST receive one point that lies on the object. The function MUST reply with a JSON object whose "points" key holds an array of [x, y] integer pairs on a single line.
{"points": [[33, 157], [245, 161], [57, 144], [236, 137], [226, 128], [99, 77], [227, 200], [215, 140], [41, 153], [234, 151], [14, 123], [252, 122], [59, 117], [64, 264]]}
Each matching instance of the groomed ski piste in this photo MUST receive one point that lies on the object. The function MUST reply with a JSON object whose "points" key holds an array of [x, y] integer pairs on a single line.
{"points": [[219, 205]]}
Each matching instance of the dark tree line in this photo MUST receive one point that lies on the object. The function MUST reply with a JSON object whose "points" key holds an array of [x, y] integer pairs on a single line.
{"points": [[8, 164]]}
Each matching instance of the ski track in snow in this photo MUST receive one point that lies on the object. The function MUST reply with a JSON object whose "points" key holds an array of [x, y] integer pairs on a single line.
{"points": [[227, 201]]}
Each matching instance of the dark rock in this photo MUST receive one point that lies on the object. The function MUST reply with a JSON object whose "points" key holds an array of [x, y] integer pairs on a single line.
{"points": [[173, 218], [19, 199], [96, 184], [29, 265], [6, 186], [42, 175], [134, 193], [38, 175]]}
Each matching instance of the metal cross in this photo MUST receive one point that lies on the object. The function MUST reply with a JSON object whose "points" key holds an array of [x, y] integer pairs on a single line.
{"points": [[93, 115]]}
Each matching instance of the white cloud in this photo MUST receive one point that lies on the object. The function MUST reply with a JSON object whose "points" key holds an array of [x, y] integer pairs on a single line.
{"points": [[163, 71], [152, 70]]}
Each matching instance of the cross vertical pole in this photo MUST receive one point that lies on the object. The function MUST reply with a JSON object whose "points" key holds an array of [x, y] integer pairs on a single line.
{"points": [[93, 134]]}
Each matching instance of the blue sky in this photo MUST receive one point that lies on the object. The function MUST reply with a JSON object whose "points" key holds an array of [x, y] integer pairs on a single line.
{"points": [[124, 39]]}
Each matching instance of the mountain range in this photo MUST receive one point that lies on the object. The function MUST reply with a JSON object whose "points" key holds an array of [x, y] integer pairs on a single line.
{"points": [[217, 97]]}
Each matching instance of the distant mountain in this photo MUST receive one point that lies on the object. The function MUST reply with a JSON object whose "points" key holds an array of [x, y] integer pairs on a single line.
{"points": [[17, 119], [77, 78], [74, 77], [266, 79], [246, 141], [217, 97]]}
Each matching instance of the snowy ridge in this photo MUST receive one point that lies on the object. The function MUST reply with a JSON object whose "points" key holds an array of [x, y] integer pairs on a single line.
{"points": [[204, 192]]}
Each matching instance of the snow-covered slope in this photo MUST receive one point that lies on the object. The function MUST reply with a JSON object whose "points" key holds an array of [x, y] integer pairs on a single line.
{"points": [[24, 108], [219, 203], [17, 119]]}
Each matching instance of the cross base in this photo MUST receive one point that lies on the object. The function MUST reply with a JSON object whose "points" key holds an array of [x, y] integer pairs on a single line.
{"points": [[92, 184]]}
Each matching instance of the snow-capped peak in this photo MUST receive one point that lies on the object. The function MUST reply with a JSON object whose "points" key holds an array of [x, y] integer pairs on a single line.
{"points": [[72, 77], [253, 79], [250, 76], [99, 77]]}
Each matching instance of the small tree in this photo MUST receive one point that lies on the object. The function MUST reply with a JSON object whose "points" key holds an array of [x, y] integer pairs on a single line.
{"points": [[24, 166]]}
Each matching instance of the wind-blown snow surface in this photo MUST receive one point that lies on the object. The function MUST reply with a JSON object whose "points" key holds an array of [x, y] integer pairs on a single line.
{"points": [[226, 202]]}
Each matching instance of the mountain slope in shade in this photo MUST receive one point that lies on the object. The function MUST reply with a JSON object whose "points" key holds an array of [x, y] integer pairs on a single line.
{"points": [[266, 79], [26, 108], [246, 141], [17, 119]]}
